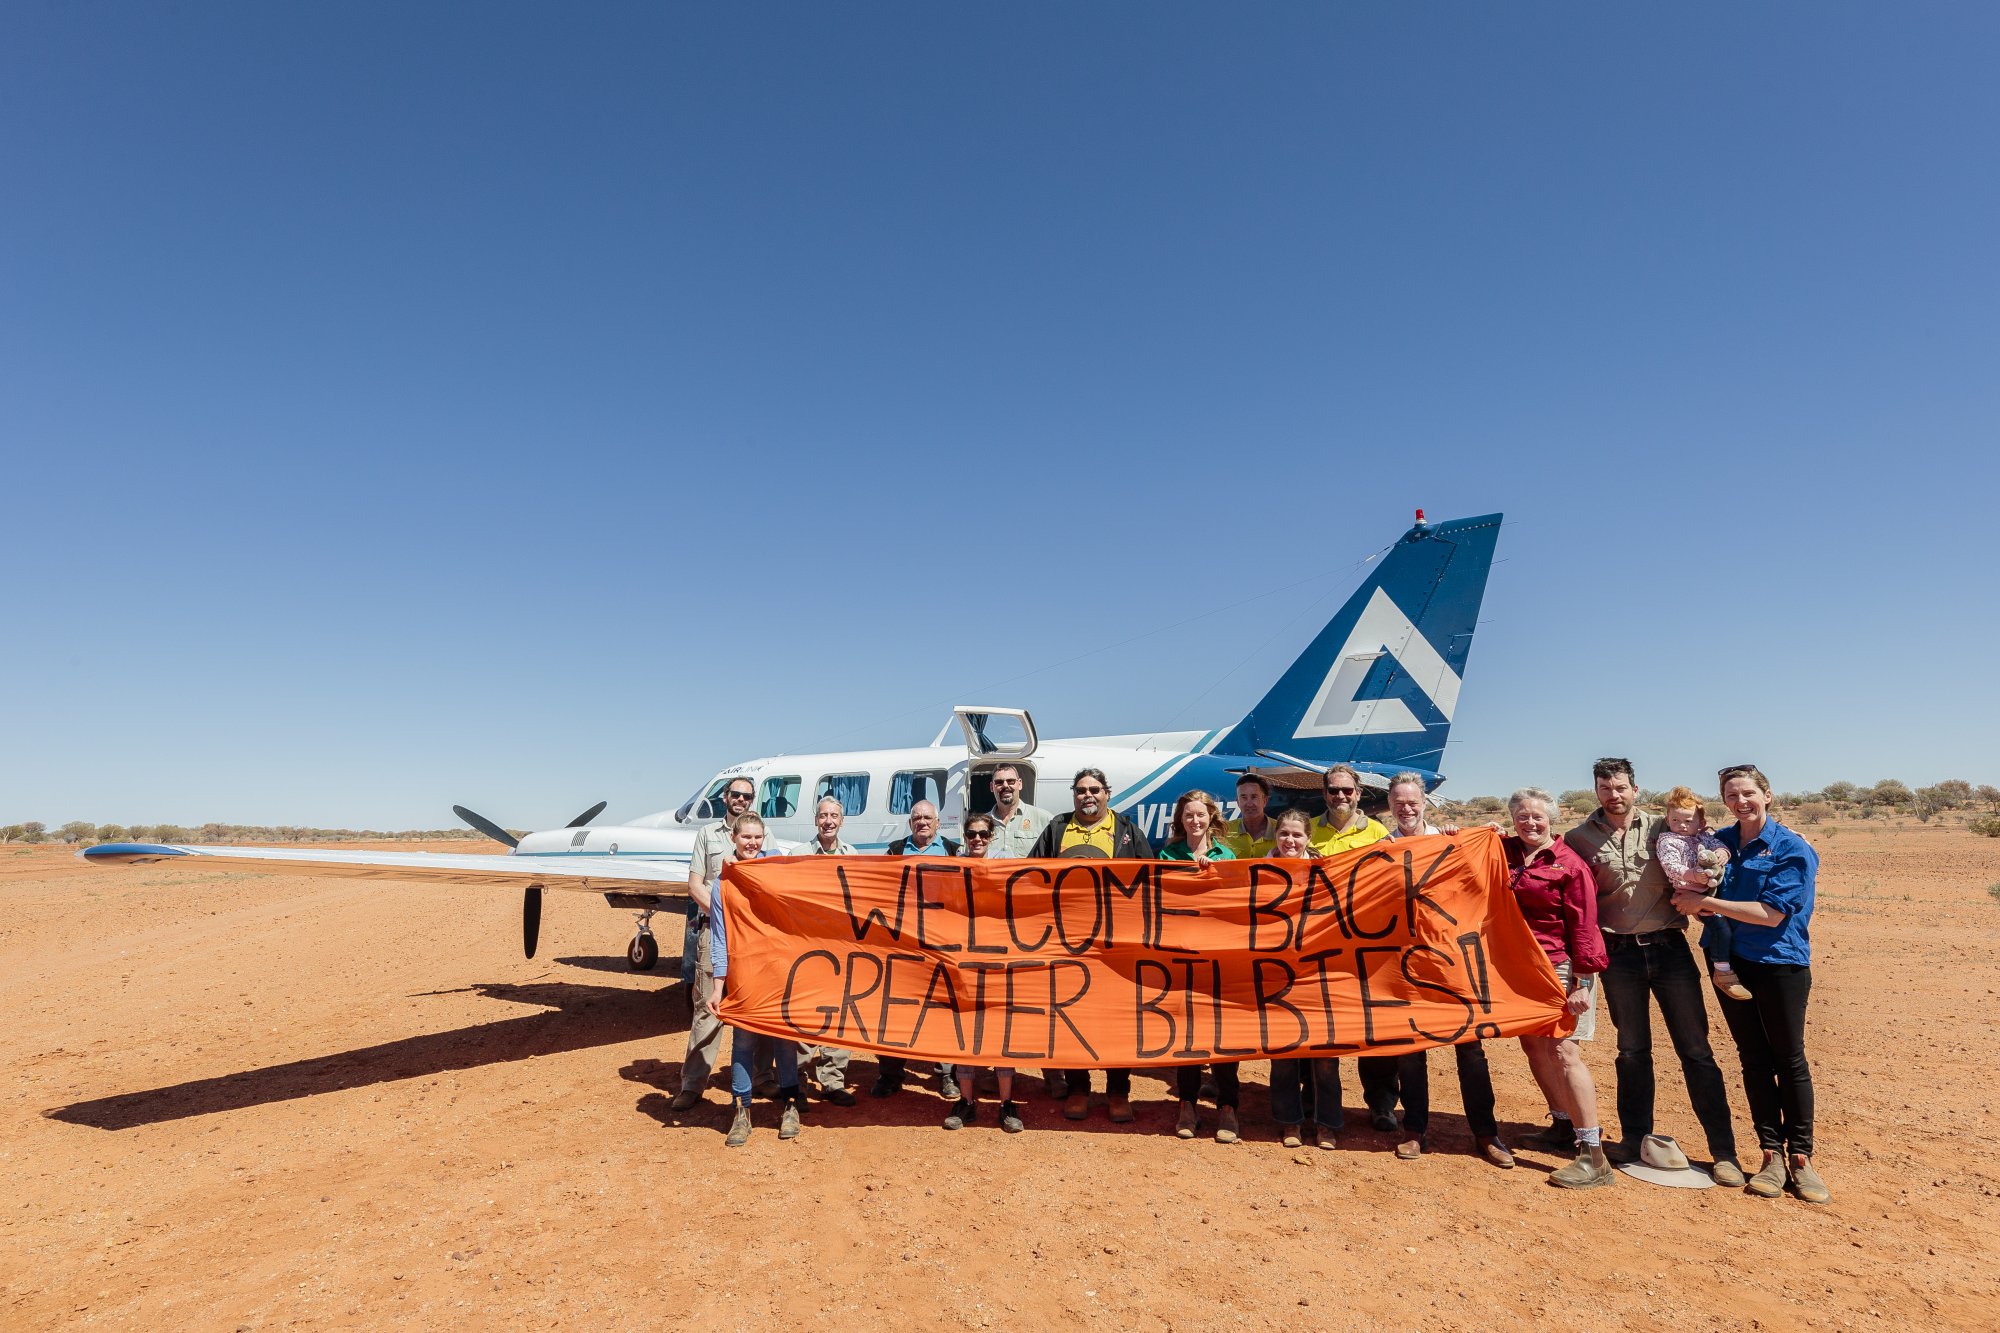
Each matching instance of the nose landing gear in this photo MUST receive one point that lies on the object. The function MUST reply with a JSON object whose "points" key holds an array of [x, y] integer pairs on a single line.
{"points": [[644, 951]]}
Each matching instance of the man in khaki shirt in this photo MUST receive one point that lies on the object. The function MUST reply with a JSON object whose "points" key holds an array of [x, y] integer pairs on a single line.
{"points": [[1650, 961], [711, 848]]}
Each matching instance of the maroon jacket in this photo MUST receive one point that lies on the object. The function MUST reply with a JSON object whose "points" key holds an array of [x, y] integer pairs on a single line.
{"points": [[1558, 896]]}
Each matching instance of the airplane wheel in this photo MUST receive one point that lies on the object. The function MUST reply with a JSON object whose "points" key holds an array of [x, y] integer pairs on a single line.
{"points": [[643, 953]]}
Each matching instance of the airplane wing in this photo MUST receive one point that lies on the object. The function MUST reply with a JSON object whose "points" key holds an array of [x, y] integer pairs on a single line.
{"points": [[587, 872]]}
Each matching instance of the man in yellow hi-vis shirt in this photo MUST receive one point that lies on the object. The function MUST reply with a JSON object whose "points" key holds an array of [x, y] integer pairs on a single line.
{"points": [[1343, 827]]}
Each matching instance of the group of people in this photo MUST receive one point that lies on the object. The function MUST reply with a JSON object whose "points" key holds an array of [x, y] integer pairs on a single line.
{"points": [[1609, 901]]}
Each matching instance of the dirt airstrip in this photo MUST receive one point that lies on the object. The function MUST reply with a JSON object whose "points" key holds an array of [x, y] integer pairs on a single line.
{"points": [[246, 1101]]}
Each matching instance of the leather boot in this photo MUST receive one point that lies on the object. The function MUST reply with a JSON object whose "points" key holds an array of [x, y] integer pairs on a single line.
{"points": [[1588, 1171], [739, 1128]]}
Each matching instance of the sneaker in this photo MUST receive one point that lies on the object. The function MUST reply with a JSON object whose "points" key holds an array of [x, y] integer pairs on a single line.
{"points": [[1559, 1135], [962, 1114], [1384, 1121], [1189, 1122], [685, 1100], [1729, 984], [1727, 1173], [1410, 1149], [839, 1096], [1291, 1137], [1010, 1118], [788, 1123], [1769, 1182], [1590, 1169], [1225, 1124], [739, 1128], [1077, 1107], [1329, 1139], [1806, 1182], [1495, 1152], [1119, 1107]]}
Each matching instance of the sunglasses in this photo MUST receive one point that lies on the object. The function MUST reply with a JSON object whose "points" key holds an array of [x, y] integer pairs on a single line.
{"points": [[737, 795], [1736, 771], [1089, 791], [972, 833], [1342, 791]]}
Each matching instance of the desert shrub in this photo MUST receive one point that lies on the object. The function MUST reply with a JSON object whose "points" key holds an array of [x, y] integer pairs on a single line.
{"points": [[1889, 794], [1840, 793], [1583, 802], [1986, 826], [1993, 890], [1814, 812]]}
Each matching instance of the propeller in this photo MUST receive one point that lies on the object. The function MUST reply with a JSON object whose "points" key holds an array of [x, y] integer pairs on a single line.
{"points": [[531, 918], [587, 815], [486, 826]]}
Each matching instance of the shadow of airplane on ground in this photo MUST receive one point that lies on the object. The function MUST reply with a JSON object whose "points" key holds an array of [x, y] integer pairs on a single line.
{"points": [[574, 1018]]}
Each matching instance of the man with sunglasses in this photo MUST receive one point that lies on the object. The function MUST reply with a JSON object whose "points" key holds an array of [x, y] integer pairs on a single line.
{"points": [[712, 847], [1094, 829], [1015, 825], [924, 840], [1343, 827], [1650, 962]]}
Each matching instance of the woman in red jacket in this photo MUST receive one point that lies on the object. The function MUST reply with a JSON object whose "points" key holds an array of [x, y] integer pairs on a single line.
{"points": [[1558, 896]]}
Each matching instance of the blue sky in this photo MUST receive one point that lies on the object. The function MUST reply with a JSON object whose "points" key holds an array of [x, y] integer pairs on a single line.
{"points": [[521, 406]]}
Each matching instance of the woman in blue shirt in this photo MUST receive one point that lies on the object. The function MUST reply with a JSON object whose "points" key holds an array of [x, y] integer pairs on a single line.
{"points": [[1767, 895]]}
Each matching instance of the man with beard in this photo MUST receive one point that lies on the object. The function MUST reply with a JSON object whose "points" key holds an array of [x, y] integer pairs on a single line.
{"points": [[1093, 829], [1343, 827], [1015, 825], [712, 847], [1650, 962]]}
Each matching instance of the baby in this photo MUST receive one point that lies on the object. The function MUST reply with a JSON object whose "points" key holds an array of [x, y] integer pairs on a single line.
{"points": [[1694, 858]]}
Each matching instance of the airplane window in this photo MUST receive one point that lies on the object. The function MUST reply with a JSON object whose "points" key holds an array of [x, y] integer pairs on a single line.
{"points": [[850, 789], [781, 798], [913, 785], [706, 805]]}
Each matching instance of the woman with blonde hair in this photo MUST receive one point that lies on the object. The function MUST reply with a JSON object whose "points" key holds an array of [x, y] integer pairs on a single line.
{"points": [[1289, 1078], [1197, 828]]}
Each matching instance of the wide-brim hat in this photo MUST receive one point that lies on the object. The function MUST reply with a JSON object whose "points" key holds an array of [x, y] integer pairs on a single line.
{"points": [[1661, 1162]]}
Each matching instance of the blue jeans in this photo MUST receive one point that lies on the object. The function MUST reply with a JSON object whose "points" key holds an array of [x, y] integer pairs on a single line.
{"points": [[743, 1052], [1660, 967], [1288, 1079]]}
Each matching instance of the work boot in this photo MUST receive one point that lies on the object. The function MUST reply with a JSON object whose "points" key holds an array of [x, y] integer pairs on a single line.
{"points": [[1559, 1135], [1289, 1136], [1225, 1124], [962, 1114], [1727, 1173], [1769, 1182], [1189, 1122], [1010, 1118], [1494, 1151], [1119, 1107], [1077, 1107], [1055, 1083], [684, 1100], [788, 1123], [1622, 1151], [739, 1128], [1588, 1171], [1806, 1182]]}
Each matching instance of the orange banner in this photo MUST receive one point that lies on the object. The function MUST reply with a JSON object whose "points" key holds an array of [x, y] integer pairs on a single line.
{"points": [[1074, 964]]}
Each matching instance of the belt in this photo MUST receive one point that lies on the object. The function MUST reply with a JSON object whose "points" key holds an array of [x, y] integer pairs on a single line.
{"points": [[1614, 939]]}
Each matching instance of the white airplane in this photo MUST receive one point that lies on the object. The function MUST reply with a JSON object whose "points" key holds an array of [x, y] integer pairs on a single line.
{"points": [[1375, 689]]}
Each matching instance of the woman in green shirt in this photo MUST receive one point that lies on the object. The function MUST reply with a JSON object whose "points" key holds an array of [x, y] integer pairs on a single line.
{"points": [[1196, 823]]}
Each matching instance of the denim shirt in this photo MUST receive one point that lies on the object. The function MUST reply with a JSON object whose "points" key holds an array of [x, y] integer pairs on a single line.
{"points": [[1779, 869]]}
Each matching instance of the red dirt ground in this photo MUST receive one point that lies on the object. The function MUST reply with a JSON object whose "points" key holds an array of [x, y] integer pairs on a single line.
{"points": [[247, 1101]]}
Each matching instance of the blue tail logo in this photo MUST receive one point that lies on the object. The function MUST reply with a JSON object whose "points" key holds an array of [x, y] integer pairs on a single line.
{"points": [[1379, 684]]}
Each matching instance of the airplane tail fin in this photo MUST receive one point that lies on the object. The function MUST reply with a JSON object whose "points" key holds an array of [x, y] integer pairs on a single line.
{"points": [[1377, 688]]}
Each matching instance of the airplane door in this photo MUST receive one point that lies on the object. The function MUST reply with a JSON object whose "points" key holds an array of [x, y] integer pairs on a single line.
{"points": [[996, 733]]}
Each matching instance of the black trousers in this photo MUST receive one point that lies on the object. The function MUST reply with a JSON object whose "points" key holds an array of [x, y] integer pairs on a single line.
{"points": [[1301, 1088], [1384, 1078], [892, 1067], [1770, 1033], [1659, 968], [1187, 1082], [1117, 1082]]}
